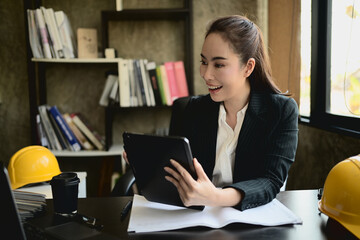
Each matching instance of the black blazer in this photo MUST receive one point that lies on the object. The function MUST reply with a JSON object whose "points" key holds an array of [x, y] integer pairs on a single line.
{"points": [[266, 146]]}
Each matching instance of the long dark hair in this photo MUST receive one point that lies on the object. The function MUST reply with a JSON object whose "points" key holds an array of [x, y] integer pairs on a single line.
{"points": [[246, 39]]}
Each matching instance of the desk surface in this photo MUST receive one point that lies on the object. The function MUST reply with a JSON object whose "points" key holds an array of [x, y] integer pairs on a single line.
{"points": [[302, 202]]}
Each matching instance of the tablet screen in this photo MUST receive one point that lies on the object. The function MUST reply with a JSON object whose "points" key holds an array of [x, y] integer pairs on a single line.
{"points": [[148, 155]]}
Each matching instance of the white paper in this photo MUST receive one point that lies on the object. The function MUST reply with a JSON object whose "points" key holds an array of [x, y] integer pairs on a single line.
{"points": [[150, 217]]}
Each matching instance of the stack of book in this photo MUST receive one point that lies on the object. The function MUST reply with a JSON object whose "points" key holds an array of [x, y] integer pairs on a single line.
{"points": [[140, 82], [66, 131], [29, 204], [50, 34]]}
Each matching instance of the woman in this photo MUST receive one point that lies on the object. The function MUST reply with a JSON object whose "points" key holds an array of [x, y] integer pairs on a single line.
{"points": [[243, 134]]}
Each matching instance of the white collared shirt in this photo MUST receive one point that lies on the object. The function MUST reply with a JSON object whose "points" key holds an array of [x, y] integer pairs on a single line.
{"points": [[226, 143]]}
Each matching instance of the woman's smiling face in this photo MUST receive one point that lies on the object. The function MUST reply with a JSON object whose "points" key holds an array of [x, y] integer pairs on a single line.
{"points": [[224, 74]]}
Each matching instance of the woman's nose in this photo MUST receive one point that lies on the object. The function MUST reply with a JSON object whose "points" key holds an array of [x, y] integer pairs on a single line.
{"points": [[206, 73]]}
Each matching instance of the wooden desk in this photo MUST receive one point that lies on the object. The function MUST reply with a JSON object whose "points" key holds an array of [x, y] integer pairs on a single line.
{"points": [[303, 203]]}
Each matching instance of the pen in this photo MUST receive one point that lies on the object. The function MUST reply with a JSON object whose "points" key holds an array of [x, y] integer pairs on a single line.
{"points": [[125, 210]]}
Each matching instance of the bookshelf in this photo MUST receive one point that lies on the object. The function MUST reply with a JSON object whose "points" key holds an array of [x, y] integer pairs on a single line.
{"points": [[75, 60], [174, 14], [114, 150], [37, 67]]}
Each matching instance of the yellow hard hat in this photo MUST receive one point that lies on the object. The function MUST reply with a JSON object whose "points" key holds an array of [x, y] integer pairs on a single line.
{"points": [[32, 164], [341, 195]]}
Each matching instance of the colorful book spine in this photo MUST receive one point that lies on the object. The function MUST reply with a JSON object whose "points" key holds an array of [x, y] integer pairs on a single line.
{"points": [[80, 137], [59, 134], [165, 83], [161, 86], [86, 130], [180, 76], [169, 66], [65, 128]]}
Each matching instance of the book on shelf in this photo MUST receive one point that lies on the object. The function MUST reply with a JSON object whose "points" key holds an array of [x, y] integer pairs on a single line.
{"points": [[34, 38], [140, 83], [84, 142], [114, 93], [43, 141], [43, 33], [132, 83], [105, 95], [87, 43], [59, 134], [170, 73], [165, 83], [124, 83], [161, 86], [151, 90], [151, 68], [85, 128], [143, 83], [65, 129], [66, 34], [49, 17], [49, 130], [180, 76], [147, 85], [138, 86], [50, 34]]}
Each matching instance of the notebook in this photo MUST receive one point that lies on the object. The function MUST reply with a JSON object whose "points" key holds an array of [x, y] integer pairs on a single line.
{"points": [[12, 226], [148, 155]]}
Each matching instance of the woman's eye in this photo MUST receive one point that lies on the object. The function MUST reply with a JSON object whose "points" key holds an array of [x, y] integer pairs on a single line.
{"points": [[203, 62], [219, 65]]}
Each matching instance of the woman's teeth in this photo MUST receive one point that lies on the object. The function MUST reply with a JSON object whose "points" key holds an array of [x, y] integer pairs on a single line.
{"points": [[214, 87]]}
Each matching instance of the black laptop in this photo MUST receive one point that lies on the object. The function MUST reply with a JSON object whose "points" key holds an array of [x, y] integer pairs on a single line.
{"points": [[148, 155], [12, 228]]}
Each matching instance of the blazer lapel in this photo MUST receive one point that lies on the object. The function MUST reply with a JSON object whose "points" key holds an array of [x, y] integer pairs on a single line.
{"points": [[210, 127], [251, 129]]}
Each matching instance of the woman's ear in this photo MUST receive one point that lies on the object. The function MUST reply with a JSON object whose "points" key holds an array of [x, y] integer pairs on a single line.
{"points": [[250, 65]]}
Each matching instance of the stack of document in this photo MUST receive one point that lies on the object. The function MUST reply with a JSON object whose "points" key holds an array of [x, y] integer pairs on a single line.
{"points": [[149, 216], [29, 204]]}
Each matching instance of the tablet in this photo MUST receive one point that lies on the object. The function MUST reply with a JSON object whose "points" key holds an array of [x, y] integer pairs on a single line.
{"points": [[148, 155]]}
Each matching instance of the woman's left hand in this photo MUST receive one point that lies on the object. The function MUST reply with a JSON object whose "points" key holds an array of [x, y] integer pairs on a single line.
{"points": [[193, 192]]}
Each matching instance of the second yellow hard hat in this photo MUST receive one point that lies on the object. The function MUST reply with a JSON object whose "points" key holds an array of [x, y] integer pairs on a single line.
{"points": [[341, 194]]}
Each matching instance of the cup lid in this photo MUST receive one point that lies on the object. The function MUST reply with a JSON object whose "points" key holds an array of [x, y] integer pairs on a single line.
{"points": [[65, 178]]}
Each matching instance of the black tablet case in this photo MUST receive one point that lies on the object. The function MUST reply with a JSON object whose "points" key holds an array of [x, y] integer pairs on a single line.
{"points": [[148, 155]]}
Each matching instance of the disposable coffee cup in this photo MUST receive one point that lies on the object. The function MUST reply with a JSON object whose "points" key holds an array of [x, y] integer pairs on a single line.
{"points": [[65, 189]]}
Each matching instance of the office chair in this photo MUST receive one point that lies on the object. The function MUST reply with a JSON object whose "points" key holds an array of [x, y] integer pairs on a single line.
{"points": [[123, 186]]}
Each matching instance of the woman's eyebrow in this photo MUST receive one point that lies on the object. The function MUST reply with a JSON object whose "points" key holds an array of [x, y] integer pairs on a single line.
{"points": [[214, 58]]}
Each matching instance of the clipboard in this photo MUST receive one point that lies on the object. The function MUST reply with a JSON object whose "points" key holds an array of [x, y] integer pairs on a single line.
{"points": [[148, 155]]}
